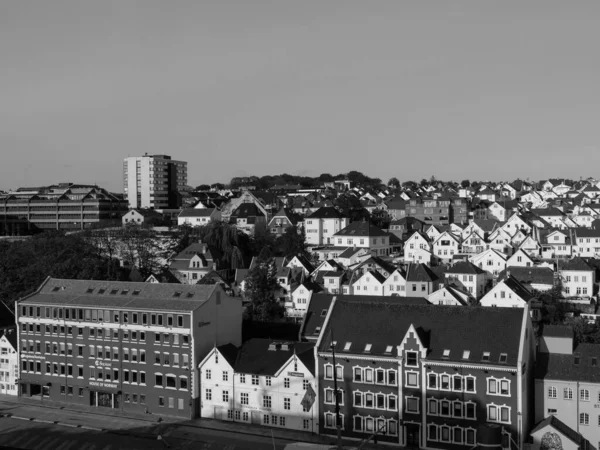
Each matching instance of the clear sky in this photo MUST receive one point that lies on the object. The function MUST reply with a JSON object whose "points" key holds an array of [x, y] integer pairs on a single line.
{"points": [[457, 89]]}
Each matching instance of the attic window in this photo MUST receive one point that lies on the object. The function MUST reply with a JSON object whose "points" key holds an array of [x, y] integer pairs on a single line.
{"points": [[576, 360], [136, 292], [114, 291], [323, 313], [466, 354], [101, 291], [389, 348], [124, 291], [486, 356], [446, 353], [367, 348], [176, 294], [347, 346], [89, 290], [594, 361], [503, 357]]}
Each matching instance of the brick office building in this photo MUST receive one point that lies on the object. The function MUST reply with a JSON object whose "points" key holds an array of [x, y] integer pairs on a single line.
{"points": [[426, 376], [125, 345]]}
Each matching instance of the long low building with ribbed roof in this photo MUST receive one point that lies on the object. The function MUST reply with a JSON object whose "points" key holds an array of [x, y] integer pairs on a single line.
{"points": [[122, 345]]}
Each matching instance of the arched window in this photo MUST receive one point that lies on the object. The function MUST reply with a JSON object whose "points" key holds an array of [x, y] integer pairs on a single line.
{"points": [[584, 395], [584, 419], [552, 392], [568, 394]]}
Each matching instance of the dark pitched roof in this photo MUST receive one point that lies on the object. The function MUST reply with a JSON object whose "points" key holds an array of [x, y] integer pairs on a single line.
{"points": [[564, 429], [587, 232], [420, 273], [529, 275], [196, 212], [514, 285], [350, 251], [465, 267], [557, 331], [229, 352], [247, 210], [7, 316], [326, 212], [377, 261], [558, 366], [576, 263], [254, 357], [11, 336], [361, 229], [453, 328]]}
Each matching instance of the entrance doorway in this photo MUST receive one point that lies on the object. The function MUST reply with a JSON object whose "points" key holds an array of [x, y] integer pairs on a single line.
{"points": [[413, 435]]}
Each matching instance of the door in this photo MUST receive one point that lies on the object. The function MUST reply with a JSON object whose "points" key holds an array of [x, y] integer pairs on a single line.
{"points": [[105, 399], [412, 435]]}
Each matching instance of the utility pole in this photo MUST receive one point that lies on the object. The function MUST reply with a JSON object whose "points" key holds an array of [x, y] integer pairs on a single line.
{"points": [[338, 425]]}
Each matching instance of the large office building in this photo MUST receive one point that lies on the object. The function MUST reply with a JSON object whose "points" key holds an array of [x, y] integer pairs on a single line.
{"points": [[122, 345], [153, 181], [64, 206]]}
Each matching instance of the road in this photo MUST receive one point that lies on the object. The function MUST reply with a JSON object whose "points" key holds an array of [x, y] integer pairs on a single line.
{"points": [[81, 431]]}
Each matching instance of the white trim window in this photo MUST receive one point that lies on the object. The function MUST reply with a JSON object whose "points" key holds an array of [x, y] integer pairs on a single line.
{"points": [[470, 436], [469, 384], [568, 393], [444, 433], [432, 380], [330, 420], [432, 407], [552, 392], [498, 413], [444, 382], [411, 404], [412, 359], [457, 435], [392, 402], [498, 386], [329, 396], [392, 377], [444, 408], [584, 395], [432, 432], [411, 379], [470, 409], [584, 419]]}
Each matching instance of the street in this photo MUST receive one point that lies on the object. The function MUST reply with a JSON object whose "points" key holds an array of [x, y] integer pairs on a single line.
{"points": [[55, 429]]}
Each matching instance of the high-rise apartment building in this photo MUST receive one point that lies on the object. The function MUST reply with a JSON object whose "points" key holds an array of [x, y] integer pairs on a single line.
{"points": [[153, 181]]}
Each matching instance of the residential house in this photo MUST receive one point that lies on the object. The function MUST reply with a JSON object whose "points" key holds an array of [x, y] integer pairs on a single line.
{"points": [[194, 262], [282, 220], [491, 261], [467, 277], [364, 235], [520, 259], [587, 242], [552, 430], [567, 382], [516, 223], [531, 246], [333, 281], [247, 216], [396, 208], [507, 293], [556, 244], [300, 262], [353, 255], [483, 227], [300, 296], [554, 216], [142, 217], [395, 284], [420, 280], [246, 196], [501, 210], [404, 373], [198, 216], [500, 241], [261, 383], [369, 283], [9, 360], [406, 225], [417, 249], [474, 243], [540, 279], [450, 295], [323, 224], [578, 278], [445, 246]]}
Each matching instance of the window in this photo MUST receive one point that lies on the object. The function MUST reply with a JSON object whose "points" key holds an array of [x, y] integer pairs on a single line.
{"points": [[268, 381], [432, 432], [244, 398], [584, 419], [208, 394], [225, 375], [412, 405], [286, 383], [470, 410], [568, 394], [286, 403], [432, 381], [328, 372], [255, 380], [158, 380], [584, 395], [208, 374], [411, 359], [445, 382], [552, 392], [266, 401], [412, 379], [391, 377], [498, 413], [357, 374], [225, 396], [469, 383]]}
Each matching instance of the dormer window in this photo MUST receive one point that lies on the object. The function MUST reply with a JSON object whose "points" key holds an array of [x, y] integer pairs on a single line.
{"points": [[486, 356], [446, 353], [367, 348], [466, 354], [347, 346], [503, 358], [576, 360], [317, 330]]}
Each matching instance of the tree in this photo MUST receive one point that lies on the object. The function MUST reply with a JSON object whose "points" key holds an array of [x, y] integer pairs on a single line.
{"points": [[292, 242], [410, 185], [394, 182], [465, 184], [261, 284], [203, 187]]}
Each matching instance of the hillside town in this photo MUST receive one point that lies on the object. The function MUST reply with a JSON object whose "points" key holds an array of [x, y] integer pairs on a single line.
{"points": [[425, 314]]}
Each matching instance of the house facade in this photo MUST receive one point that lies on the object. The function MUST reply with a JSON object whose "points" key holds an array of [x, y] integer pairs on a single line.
{"points": [[425, 389], [323, 224], [9, 362]]}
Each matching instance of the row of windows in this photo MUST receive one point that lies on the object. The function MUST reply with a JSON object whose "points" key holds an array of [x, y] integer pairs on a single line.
{"points": [[170, 381], [584, 394], [455, 435], [370, 400], [447, 408], [365, 375], [103, 315], [368, 424]]}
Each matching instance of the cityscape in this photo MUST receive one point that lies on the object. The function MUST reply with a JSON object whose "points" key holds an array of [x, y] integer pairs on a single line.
{"points": [[299, 225]]}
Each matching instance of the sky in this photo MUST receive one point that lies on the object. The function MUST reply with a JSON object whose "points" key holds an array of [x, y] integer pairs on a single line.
{"points": [[479, 90]]}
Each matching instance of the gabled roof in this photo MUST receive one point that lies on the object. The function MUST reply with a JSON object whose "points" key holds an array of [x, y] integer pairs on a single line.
{"points": [[529, 275], [380, 278], [7, 316], [362, 228], [587, 232], [256, 358], [11, 337], [326, 212], [453, 328], [229, 352], [420, 273], [247, 210], [196, 212], [514, 285], [576, 263], [564, 429], [577, 366], [351, 251], [465, 267]]}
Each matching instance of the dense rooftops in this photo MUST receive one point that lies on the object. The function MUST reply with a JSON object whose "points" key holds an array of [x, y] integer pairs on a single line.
{"points": [[361, 229]]}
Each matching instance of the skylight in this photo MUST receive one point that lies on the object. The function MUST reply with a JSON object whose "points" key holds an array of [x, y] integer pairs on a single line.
{"points": [[486, 356], [190, 295], [347, 346], [323, 313], [368, 348], [114, 291], [136, 292], [55, 288], [317, 330], [124, 291], [89, 290], [389, 349], [446, 353], [466, 354], [176, 294], [503, 357], [101, 291]]}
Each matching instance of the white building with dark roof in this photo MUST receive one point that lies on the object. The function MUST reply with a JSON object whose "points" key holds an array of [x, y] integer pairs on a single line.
{"points": [[198, 216], [321, 225], [263, 382], [9, 362]]}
